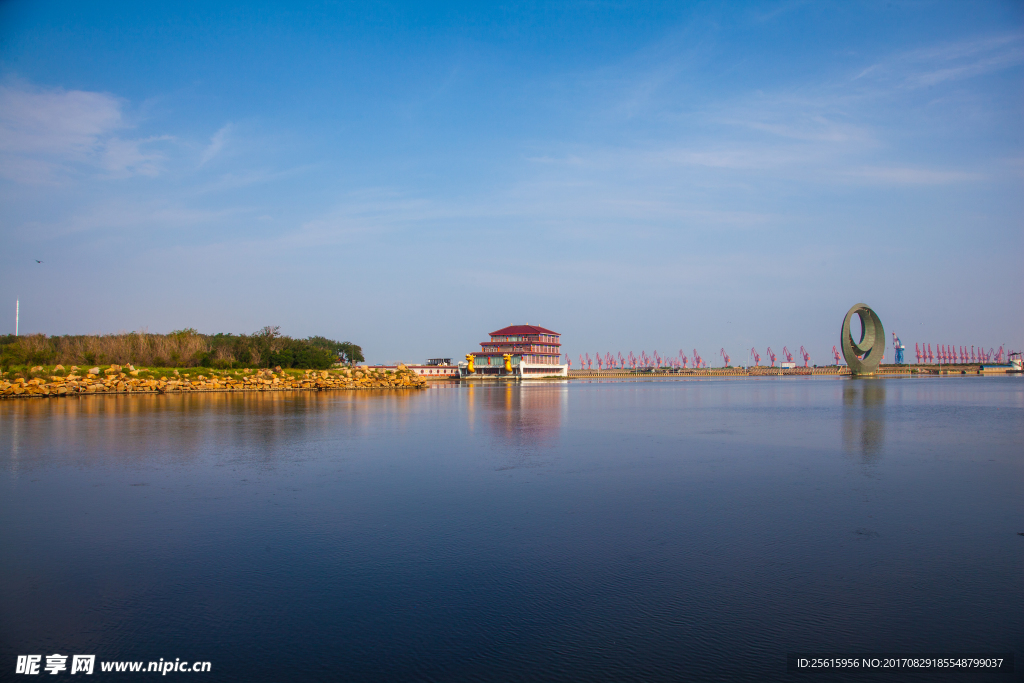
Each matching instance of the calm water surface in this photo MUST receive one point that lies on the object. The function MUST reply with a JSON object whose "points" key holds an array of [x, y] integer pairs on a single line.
{"points": [[674, 530]]}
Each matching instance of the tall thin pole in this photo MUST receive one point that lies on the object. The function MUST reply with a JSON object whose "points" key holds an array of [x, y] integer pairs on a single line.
{"points": [[17, 307]]}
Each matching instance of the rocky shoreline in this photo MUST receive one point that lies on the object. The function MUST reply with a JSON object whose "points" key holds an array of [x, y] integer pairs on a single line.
{"points": [[115, 379]]}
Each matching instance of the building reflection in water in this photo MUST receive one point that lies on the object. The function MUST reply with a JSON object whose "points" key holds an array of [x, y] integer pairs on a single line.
{"points": [[523, 417], [864, 417]]}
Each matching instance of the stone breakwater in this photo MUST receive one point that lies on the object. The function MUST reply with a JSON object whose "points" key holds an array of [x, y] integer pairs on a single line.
{"points": [[115, 379]]}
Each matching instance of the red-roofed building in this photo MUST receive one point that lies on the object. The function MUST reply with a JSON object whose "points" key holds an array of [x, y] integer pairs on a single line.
{"points": [[532, 351]]}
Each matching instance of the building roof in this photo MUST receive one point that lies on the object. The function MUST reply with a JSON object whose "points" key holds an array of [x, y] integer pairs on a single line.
{"points": [[523, 329]]}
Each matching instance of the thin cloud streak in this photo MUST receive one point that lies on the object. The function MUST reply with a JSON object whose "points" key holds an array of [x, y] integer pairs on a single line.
{"points": [[912, 176], [217, 143], [962, 60]]}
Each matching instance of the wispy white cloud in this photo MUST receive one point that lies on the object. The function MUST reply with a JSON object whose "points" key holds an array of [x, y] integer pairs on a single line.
{"points": [[961, 60], [125, 215], [811, 129], [217, 143], [236, 179], [44, 133], [910, 176], [731, 157], [769, 11], [833, 132]]}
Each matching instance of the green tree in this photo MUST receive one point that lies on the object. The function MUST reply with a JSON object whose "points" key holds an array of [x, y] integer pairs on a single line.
{"points": [[347, 352]]}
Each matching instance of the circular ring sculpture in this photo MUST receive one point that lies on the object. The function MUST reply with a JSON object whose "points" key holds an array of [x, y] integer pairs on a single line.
{"points": [[863, 356]]}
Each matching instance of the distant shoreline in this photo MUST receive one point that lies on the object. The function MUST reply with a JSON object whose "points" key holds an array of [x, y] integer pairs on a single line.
{"points": [[762, 371], [56, 382]]}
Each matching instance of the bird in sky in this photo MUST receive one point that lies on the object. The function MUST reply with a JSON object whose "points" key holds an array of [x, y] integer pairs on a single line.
{"points": [[38, 261]]}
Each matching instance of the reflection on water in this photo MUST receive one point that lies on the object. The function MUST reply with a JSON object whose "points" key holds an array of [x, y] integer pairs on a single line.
{"points": [[180, 428], [634, 530], [864, 417], [527, 415]]}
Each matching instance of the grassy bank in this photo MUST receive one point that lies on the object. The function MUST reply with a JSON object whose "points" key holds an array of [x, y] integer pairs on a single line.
{"points": [[266, 348], [48, 372]]}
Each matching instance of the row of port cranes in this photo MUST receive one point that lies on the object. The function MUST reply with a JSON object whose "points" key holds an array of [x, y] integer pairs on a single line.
{"points": [[608, 361], [947, 355], [943, 354], [957, 355], [681, 361], [787, 354], [951, 354]]}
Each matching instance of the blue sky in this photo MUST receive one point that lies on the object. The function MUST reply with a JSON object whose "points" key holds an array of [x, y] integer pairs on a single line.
{"points": [[636, 176]]}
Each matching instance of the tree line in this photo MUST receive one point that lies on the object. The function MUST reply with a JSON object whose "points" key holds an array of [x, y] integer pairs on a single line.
{"points": [[266, 348]]}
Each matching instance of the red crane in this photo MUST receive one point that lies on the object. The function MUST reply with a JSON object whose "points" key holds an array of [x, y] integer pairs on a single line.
{"points": [[725, 356], [806, 356], [771, 356], [757, 356], [836, 355], [917, 352], [999, 355], [698, 362], [600, 361], [787, 354], [590, 363]]}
